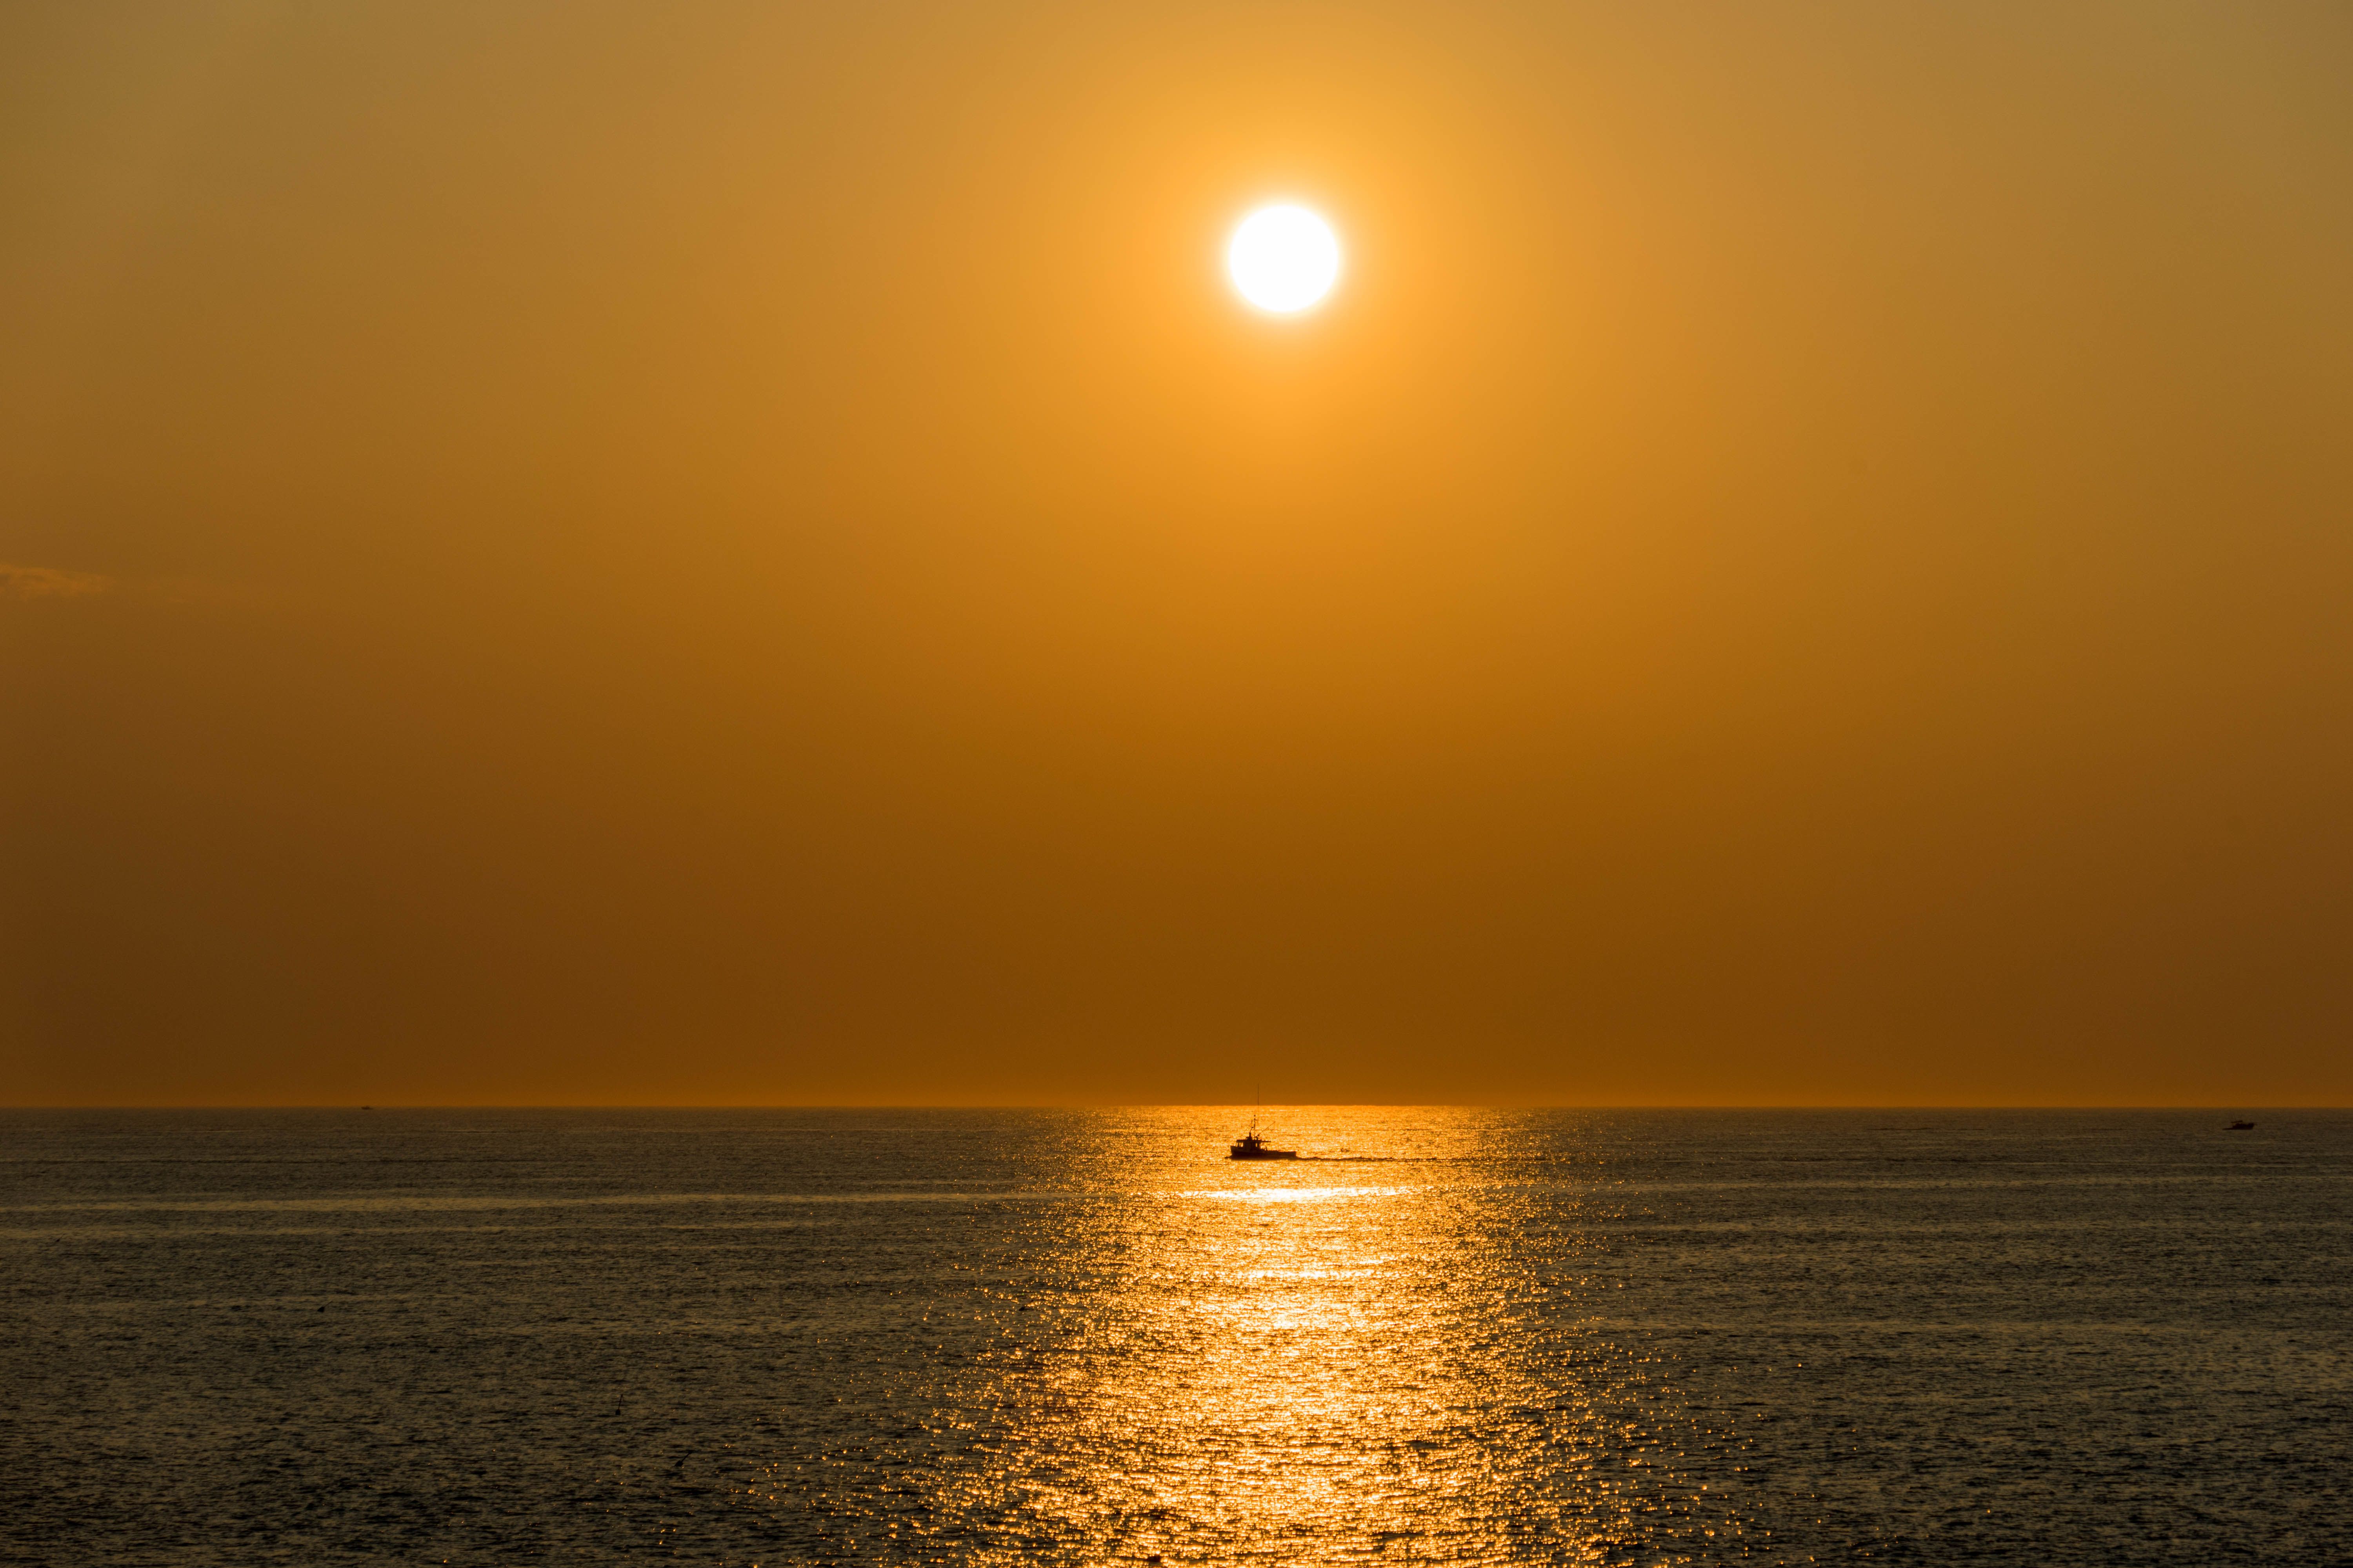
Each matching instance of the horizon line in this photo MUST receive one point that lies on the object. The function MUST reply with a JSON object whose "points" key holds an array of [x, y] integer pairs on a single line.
{"points": [[1173, 1105]]}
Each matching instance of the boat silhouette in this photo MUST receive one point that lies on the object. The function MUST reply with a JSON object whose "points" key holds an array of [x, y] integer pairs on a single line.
{"points": [[2240, 1126], [1250, 1146]]}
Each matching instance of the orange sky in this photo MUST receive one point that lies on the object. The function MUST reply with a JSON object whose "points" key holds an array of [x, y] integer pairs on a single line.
{"points": [[745, 554]]}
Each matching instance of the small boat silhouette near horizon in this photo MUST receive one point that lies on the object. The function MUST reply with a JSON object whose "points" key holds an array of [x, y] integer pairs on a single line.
{"points": [[2240, 1126], [1250, 1146]]}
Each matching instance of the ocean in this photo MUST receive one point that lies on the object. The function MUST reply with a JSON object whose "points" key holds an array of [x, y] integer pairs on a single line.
{"points": [[1001, 1337]]}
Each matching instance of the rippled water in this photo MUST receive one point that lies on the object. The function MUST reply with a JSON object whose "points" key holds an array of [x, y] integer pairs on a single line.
{"points": [[994, 1337]]}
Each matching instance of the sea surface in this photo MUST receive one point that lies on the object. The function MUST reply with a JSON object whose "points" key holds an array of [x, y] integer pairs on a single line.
{"points": [[1085, 1337]]}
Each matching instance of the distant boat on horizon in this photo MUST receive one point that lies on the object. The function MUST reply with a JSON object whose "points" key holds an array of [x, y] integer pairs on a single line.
{"points": [[1250, 1146], [2240, 1126]]}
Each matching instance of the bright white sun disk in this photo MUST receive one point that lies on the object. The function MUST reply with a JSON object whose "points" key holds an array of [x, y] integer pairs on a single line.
{"points": [[1283, 259]]}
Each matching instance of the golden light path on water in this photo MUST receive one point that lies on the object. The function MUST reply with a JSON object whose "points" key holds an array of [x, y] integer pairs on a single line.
{"points": [[1291, 1361]]}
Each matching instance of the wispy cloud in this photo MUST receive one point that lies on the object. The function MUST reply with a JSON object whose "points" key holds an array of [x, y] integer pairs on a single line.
{"points": [[49, 583]]}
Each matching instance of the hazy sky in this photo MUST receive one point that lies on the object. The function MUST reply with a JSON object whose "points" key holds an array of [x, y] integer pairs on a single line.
{"points": [[736, 553]]}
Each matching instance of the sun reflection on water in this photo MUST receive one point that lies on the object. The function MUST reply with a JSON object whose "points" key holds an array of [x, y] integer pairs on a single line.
{"points": [[1272, 1362]]}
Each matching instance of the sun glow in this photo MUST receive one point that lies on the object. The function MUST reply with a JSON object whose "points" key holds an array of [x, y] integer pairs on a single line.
{"points": [[1283, 259]]}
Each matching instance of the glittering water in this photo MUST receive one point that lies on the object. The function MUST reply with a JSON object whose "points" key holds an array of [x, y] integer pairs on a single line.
{"points": [[996, 1337]]}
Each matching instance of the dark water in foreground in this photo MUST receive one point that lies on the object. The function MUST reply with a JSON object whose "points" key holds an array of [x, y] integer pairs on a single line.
{"points": [[789, 1337]]}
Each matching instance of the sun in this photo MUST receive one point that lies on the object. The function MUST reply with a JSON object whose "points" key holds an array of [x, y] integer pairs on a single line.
{"points": [[1283, 259]]}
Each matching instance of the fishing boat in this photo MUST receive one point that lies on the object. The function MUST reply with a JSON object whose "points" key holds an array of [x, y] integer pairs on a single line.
{"points": [[2240, 1126], [1250, 1146]]}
